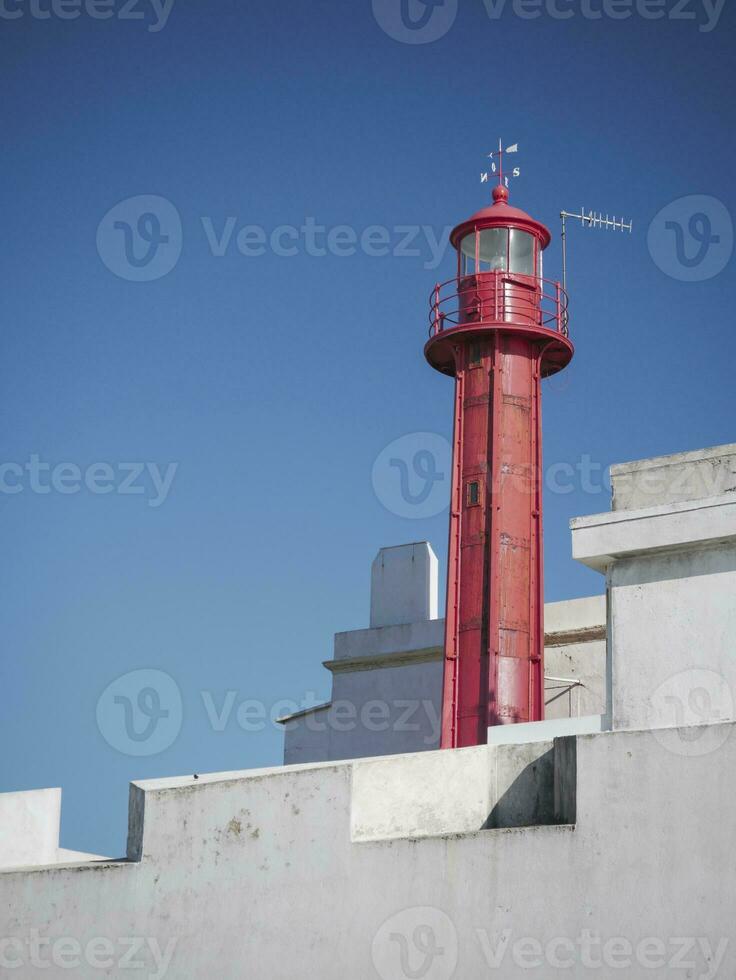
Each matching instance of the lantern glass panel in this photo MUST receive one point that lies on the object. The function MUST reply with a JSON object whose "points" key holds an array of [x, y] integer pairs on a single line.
{"points": [[467, 255], [493, 250], [521, 253]]}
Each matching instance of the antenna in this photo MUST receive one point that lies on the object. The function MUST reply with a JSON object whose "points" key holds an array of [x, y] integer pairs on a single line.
{"points": [[589, 219], [593, 220]]}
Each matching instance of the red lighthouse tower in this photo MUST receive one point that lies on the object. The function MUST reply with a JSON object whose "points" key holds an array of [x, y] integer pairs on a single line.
{"points": [[498, 328]]}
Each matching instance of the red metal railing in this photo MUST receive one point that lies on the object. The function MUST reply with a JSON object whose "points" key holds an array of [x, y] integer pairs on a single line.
{"points": [[498, 297]]}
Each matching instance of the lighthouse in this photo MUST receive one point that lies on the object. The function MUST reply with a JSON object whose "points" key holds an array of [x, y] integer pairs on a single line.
{"points": [[498, 328]]}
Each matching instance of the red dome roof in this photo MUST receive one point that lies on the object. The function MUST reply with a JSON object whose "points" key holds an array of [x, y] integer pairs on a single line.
{"points": [[503, 214]]}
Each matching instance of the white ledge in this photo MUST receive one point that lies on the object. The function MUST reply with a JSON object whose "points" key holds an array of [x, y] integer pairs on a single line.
{"points": [[600, 539]]}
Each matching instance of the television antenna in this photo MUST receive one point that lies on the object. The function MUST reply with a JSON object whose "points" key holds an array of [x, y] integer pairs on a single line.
{"points": [[589, 219]]}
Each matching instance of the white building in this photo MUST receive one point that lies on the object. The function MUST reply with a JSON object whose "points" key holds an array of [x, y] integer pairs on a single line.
{"points": [[545, 853], [387, 680]]}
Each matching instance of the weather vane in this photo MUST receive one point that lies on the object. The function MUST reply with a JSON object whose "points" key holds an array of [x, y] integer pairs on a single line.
{"points": [[496, 170]]}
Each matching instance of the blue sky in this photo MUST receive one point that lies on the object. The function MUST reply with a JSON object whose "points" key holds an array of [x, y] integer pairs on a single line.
{"points": [[246, 393]]}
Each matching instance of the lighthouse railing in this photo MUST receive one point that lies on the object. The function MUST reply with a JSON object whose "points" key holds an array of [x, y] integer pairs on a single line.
{"points": [[498, 297]]}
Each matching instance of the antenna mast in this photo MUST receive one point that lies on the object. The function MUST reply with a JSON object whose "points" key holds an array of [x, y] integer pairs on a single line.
{"points": [[589, 219]]}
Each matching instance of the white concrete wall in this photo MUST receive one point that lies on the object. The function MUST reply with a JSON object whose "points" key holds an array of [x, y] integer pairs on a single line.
{"points": [[459, 792], [671, 581], [382, 711], [29, 827], [265, 873], [305, 737], [387, 685], [674, 479], [575, 650], [404, 583], [29, 832], [389, 640], [673, 633]]}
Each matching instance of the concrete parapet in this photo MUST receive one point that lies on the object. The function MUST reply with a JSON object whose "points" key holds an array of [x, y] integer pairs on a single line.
{"points": [[268, 863], [29, 827], [674, 479]]}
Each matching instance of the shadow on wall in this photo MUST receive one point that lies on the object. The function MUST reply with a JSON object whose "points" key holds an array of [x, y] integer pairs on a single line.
{"points": [[543, 794]]}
